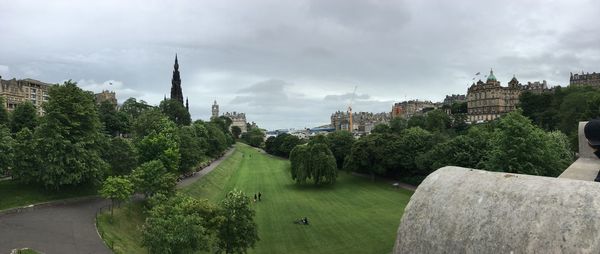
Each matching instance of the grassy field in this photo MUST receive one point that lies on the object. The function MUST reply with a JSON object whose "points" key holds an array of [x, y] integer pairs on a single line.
{"points": [[353, 216], [13, 194], [121, 231]]}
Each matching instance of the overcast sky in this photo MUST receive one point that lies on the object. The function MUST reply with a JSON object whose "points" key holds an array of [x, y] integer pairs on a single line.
{"points": [[292, 63]]}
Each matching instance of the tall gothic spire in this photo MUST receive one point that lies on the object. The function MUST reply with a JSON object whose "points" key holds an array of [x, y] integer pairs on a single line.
{"points": [[176, 92]]}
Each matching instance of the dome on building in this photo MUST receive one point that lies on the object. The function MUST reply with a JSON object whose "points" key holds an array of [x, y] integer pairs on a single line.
{"points": [[491, 77]]}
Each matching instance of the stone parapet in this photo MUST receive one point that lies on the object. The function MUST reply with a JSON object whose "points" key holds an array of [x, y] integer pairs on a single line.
{"points": [[461, 210]]}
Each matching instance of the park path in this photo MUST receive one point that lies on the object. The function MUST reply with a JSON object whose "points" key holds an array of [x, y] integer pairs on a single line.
{"points": [[65, 228]]}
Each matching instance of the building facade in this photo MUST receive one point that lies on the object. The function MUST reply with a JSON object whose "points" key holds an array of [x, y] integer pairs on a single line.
{"points": [[455, 98], [488, 100], [406, 109], [238, 119], [585, 79], [215, 110], [18, 91], [362, 122], [536, 87], [106, 95]]}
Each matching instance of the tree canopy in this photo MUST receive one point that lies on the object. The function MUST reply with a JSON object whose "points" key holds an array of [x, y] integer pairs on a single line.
{"points": [[24, 116], [68, 138]]}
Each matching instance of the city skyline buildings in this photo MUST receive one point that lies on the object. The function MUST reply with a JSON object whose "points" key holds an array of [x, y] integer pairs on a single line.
{"points": [[284, 64]]}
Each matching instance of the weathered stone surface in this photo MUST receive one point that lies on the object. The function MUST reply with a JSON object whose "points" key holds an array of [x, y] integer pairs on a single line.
{"points": [[587, 166], [459, 210]]}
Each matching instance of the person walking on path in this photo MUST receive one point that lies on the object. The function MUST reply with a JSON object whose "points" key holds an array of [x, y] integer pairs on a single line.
{"points": [[254, 197], [259, 195]]}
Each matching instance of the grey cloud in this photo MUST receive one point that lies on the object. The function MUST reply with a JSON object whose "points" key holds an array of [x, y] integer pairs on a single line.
{"points": [[297, 52]]}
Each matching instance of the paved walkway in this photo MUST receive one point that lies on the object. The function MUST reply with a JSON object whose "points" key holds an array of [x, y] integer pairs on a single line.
{"points": [[66, 228], [204, 171]]}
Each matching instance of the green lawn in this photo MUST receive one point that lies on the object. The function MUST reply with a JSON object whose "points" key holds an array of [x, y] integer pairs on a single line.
{"points": [[13, 194], [353, 216], [120, 232]]}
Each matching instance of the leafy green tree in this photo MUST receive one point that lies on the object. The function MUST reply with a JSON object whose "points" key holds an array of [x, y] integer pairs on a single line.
{"points": [[121, 156], [223, 122], [176, 112], [318, 139], [398, 124], [254, 137], [520, 147], [26, 164], [237, 232], [322, 163], [287, 144], [114, 122], [161, 144], [4, 120], [467, 150], [459, 123], [437, 121], [236, 131], [417, 121], [6, 150], [413, 142], [559, 151], [381, 128], [270, 145], [572, 110], [191, 148], [150, 120], [300, 163], [180, 224], [216, 139], [24, 116], [152, 178], [340, 144], [458, 108], [68, 138], [364, 157], [116, 188], [133, 109]]}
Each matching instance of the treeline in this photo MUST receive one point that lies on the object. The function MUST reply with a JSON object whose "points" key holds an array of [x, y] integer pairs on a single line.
{"points": [[562, 109], [77, 141], [411, 149]]}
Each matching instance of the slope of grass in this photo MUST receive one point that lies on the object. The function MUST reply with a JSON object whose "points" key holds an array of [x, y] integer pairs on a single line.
{"points": [[13, 194], [352, 216], [121, 232]]}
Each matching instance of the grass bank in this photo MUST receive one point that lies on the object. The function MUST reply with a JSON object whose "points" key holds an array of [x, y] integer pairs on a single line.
{"points": [[13, 194]]}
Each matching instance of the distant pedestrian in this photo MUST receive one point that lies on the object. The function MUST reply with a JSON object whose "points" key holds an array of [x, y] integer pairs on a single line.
{"points": [[259, 195], [254, 197]]}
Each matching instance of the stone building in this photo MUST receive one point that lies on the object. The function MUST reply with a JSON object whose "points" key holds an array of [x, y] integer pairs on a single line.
{"points": [[176, 92], [106, 95], [407, 109], [17, 91], [536, 87], [362, 122], [215, 110], [488, 100], [455, 98], [238, 119], [585, 79]]}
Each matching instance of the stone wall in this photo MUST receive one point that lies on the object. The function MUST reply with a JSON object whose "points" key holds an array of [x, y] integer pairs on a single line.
{"points": [[460, 210]]}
